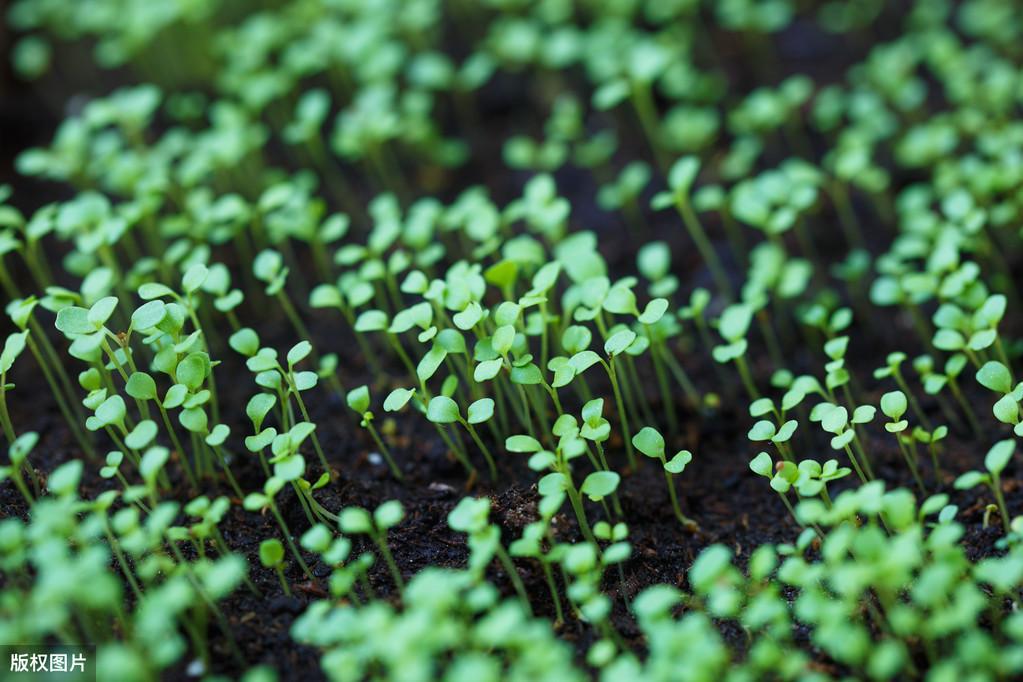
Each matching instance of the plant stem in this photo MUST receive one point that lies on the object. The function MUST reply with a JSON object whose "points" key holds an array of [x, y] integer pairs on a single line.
{"points": [[381, 541], [395, 471], [627, 432], [486, 451]]}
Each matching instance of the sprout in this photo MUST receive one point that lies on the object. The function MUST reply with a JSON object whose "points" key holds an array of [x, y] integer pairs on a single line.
{"points": [[651, 443], [444, 410], [358, 521], [893, 405], [358, 401], [995, 376], [995, 461], [271, 555]]}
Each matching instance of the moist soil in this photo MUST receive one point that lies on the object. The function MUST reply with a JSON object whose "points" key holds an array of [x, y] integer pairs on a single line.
{"points": [[731, 504]]}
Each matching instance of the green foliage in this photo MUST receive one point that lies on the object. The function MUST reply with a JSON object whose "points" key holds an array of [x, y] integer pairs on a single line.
{"points": [[316, 170]]}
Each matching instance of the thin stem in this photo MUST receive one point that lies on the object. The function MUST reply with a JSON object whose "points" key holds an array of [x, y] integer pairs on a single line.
{"points": [[486, 451], [392, 465], [381, 542], [627, 432]]}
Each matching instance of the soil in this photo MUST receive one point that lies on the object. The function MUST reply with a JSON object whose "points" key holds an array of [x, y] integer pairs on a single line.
{"points": [[730, 503]]}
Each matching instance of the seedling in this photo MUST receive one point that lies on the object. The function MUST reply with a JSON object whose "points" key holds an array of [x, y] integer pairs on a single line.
{"points": [[995, 461], [358, 521], [271, 555], [444, 410], [651, 443], [358, 400], [893, 406]]}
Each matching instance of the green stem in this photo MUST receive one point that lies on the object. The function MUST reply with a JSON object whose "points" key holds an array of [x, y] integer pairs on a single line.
{"points": [[610, 367]]}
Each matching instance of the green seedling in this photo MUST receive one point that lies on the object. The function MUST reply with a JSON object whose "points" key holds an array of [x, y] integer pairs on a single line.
{"points": [[358, 521], [995, 461], [271, 555], [443, 410], [358, 401], [651, 443]]}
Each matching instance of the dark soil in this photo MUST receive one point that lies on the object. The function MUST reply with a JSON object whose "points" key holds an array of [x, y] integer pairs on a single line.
{"points": [[731, 504]]}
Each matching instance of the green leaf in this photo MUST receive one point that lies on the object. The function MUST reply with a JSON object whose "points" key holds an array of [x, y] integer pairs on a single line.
{"points": [[985, 338], [948, 340], [468, 318], [194, 419], [371, 321], [152, 290], [995, 376], [22, 446], [192, 371], [175, 396], [398, 398], [218, 435], [863, 414], [583, 360], [897, 427], [503, 338], [271, 553], [355, 521], [480, 411], [552, 484], [470, 515], [430, 363], [291, 468], [388, 514], [299, 352], [442, 410], [358, 399], [835, 420], [112, 411], [260, 441], [65, 478], [101, 311], [970, 479], [13, 347], [893, 405], [999, 455], [735, 321], [142, 435], [487, 370], [654, 311], [785, 432], [682, 174], [600, 484], [152, 463], [1006, 409], [148, 315], [245, 341], [258, 407], [619, 342], [762, 464], [194, 278], [74, 320], [762, 430], [649, 441], [522, 444], [610, 94], [843, 439], [677, 464]]}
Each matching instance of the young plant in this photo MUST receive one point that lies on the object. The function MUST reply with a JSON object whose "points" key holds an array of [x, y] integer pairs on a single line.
{"points": [[271, 555], [358, 521], [995, 461], [651, 443], [443, 410], [358, 401]]}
